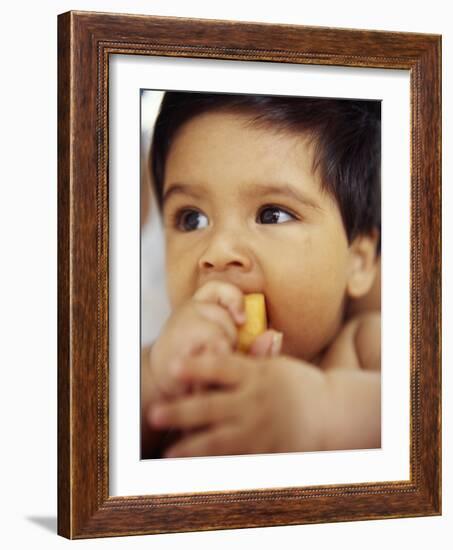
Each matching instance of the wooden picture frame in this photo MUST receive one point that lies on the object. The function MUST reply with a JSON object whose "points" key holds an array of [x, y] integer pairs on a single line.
{"points": [[85, 42]]}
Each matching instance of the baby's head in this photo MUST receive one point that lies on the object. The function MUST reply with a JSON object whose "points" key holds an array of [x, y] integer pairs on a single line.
{"points": [[279, 195]]}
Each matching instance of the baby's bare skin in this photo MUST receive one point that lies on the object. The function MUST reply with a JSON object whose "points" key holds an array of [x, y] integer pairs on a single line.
{"points": [[357, 346], [244, 206], [206, 324], [276, 404]]}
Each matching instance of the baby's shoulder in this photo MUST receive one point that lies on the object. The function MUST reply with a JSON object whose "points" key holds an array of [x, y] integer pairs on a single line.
{"points": [[367, 340], [357, 345]]}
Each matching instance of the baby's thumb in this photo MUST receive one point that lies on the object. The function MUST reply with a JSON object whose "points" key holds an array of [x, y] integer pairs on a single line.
{"points": [[268, 344]]}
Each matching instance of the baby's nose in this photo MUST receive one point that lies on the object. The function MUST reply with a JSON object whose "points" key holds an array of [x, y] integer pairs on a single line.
{"points": [[226, 253], [217, 264]]}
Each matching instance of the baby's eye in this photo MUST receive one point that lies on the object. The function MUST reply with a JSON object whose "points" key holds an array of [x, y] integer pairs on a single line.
{"points": [[189, 220], [274, 214]]}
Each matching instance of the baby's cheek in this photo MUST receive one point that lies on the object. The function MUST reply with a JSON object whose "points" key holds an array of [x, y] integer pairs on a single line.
{"points": [[308, 317], [175, 288], [301, 332], [181, 270], [176, 276]]}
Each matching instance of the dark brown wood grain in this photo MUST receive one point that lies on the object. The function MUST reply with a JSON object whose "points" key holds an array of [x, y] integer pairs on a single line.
{"points": [[64, 425], [85, 40]]}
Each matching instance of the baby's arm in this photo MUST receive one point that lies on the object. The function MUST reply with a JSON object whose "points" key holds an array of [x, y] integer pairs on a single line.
{"points": [[352, 367], [205, 323], [281, 404]]}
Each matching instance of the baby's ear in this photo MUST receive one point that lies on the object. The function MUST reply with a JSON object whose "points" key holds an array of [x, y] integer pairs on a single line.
{"points": [[362, 264]]}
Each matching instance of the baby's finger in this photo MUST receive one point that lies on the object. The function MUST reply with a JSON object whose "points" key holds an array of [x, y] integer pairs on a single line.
{"points": [[208, 339], [224, 440], [219, 347], [225, 294], [194, 411], [268, 344], [220, 317], [223, 370]]}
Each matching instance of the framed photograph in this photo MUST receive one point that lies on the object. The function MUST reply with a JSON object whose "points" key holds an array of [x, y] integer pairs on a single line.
{"points": [[249, 275]]}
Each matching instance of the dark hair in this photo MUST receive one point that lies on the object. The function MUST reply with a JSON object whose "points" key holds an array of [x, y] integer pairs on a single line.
{"points": [[346, 134]]}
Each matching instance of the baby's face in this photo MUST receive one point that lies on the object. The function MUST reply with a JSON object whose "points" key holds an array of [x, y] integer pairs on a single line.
{"points": [[242, 205]]}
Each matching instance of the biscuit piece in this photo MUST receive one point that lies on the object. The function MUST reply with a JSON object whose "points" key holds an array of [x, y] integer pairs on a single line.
{"points": [[256, 321]]}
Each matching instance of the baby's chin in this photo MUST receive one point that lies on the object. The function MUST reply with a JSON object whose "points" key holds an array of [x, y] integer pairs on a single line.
{"points": [[294, 346]]}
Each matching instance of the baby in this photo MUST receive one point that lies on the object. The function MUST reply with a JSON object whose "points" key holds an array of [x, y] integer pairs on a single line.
{"points": [[281, 196]]}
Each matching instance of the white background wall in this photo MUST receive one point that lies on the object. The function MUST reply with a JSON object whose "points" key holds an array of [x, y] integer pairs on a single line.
{"points": [[28, 276]]}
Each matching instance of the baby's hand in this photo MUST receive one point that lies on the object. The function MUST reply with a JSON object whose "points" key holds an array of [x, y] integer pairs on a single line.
{"points": [[207, 322], [262, 405]]}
